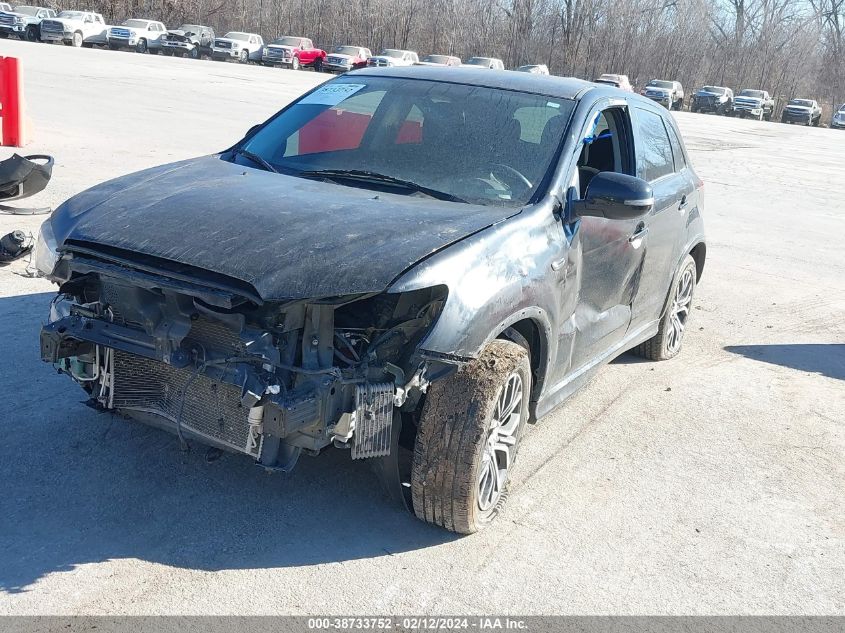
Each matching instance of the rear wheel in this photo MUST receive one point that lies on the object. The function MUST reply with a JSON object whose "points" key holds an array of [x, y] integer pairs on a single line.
{"points": [[468, 437], [670, 334]]}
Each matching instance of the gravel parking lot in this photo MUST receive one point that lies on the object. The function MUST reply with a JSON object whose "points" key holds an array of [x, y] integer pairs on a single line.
{"points": [[712, 483]]}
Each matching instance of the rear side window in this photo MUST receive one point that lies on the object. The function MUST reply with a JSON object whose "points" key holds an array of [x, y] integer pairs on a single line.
{"points": [[677, 150], [654, 149]]}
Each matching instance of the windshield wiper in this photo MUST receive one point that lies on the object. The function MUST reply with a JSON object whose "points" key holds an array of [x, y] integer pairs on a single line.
{"points": [[372, 176], [255, 158]]}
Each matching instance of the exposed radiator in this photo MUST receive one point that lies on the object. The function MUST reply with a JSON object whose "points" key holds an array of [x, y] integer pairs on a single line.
{"points": [[373, 420], [211, 409]]}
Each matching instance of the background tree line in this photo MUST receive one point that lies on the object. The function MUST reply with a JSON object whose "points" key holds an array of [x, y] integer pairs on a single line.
{"points": [[789, 47]]}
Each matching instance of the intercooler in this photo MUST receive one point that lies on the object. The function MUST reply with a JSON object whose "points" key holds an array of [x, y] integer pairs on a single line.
{"points": [[207, 407]]}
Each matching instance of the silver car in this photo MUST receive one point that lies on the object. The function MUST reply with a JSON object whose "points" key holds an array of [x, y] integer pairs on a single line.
{"points": [[669, 94]]}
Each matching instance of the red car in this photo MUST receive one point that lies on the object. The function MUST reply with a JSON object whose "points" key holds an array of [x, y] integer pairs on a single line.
{"points": [[294, 52]]}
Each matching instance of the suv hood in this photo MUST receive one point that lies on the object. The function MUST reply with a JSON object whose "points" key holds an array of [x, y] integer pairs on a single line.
{"points": [[288, 237]]}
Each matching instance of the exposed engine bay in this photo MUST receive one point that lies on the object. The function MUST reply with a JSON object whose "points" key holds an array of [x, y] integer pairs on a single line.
{"points": [[266, 380]]}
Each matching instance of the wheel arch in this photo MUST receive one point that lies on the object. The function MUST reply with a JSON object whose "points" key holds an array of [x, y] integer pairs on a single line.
{"points": [[530, 329], [699, 253]]}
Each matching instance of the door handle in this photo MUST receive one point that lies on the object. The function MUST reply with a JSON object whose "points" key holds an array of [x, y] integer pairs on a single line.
{"points": [[683, 204], [637, 237]]}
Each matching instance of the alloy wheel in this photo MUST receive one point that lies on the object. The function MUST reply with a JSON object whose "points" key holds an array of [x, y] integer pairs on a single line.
{"points": [[500, 446], [680, 310]]}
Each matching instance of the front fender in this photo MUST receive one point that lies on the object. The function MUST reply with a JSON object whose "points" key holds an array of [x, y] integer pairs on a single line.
{"points": [[495, 278]]}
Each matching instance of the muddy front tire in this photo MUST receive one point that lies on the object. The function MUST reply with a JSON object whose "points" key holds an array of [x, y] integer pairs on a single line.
{"points": [[468, 437]]}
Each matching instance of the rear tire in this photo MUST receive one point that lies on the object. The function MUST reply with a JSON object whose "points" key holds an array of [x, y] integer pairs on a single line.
{"points": [[667, 342], [468, 438]]}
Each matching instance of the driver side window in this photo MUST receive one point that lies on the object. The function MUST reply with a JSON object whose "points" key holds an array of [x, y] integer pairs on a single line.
{"points": [[605, 148]]}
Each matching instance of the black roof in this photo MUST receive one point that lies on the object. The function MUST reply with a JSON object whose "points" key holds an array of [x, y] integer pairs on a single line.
{"points": [[559, 87]]}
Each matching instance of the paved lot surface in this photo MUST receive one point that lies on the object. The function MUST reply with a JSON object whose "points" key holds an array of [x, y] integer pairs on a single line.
{"points": [[713, 483]]}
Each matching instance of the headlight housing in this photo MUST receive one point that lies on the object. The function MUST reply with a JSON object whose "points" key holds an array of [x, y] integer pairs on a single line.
{"points": [[46, 250]]}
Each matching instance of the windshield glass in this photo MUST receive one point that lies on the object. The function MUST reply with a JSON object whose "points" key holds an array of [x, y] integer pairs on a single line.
{"points": [[841, 108], [136, 24], [482, 145], [657, 83], [346, 50], [72, 15], [190, 28], [287, 41], [714, 90], [754, 94], [390, 52], [802, 102], [234, 35], [436, 59], [27, 10]]}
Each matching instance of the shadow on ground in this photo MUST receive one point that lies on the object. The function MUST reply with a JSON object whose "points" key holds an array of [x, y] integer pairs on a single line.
{"points": [[827, 359], [81, 487]]}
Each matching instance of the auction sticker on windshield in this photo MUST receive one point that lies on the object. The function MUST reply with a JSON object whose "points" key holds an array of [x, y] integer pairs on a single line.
{"points": [[332, 94]]}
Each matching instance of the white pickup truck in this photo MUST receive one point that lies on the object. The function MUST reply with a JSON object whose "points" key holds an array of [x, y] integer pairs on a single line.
{"points": [[76, 28], [142, 35]]}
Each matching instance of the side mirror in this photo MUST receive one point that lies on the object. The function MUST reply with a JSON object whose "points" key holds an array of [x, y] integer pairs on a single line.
{"points": [[615, 196]]}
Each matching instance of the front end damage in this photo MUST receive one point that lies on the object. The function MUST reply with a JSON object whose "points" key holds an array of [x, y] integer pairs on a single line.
{"points": [[230, 371]]}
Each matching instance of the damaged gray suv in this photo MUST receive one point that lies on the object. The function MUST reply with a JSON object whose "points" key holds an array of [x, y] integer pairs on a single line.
{"points": [[500, 237]]}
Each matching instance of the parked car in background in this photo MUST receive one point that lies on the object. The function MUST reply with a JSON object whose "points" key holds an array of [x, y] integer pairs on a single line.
{"points": [[669, 94], [838, 118], [191, 40], [5, 6], [485, 62], [24, 22], [755, 103], [804, 111], [346, 58], [439, 60], [142, 35], [293, 52], [284, 341], [393, 57], [534, 69], [619, 81], [75, 28], [242, 47], [716, 99]]}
